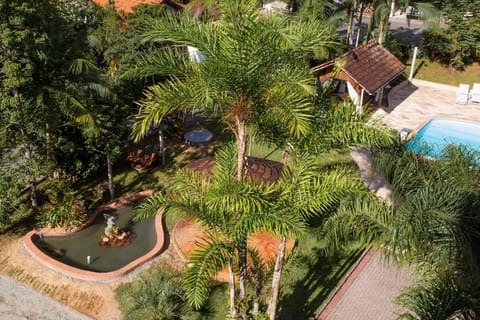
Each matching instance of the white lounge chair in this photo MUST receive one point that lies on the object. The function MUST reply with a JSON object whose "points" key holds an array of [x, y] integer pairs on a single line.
{"points": [[475, 93], [462, 94]]}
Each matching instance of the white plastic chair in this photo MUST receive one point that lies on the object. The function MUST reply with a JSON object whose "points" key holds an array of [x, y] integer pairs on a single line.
{"points": [[475, 93], [462, 94]]}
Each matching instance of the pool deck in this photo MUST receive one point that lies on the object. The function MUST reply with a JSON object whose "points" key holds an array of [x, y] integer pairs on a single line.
{"points": [[367, 292], [413, 104]]}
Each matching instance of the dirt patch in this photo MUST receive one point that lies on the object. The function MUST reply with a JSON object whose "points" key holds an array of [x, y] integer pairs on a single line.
{"points": [[187, 234]]}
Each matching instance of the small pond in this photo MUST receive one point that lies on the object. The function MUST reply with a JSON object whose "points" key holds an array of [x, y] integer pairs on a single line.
{"points": [[73, 249]]}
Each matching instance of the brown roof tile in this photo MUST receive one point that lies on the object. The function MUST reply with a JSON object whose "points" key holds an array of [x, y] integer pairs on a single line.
{"points": [[371, 66], [260, 170]]}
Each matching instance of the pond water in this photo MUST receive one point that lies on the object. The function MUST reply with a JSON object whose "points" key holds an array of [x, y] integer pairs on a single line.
{"points": [[74, 248]]}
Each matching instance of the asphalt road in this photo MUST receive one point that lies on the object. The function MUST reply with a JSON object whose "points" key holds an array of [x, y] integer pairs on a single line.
{"points": [[18, 302], [406, 32]]}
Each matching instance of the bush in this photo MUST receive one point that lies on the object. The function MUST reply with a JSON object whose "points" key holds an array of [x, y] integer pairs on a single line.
{"points": [[62, 207], [154, 295]]}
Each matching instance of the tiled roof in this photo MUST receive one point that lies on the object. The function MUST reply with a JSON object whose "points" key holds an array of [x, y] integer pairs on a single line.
{"points": [[127, 5], [371, 66], [258, 169]]}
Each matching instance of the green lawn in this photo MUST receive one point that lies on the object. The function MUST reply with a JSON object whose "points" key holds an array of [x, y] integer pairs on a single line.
{"points": [[436, 72]]}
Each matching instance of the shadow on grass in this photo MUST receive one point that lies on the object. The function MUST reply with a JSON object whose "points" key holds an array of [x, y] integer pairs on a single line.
{"points": [[322, 274]]}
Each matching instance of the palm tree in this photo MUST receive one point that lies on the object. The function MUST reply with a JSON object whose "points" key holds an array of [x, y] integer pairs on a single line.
{"points": [[255, 65], [433, 221], [229, 210], [447, 295], [305, 189]]}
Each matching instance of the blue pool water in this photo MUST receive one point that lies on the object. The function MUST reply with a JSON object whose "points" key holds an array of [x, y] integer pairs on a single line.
{"points": [[438, 133]]}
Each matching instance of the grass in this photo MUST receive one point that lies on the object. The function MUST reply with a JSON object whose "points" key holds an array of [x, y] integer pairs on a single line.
{"points": [[262, 150], [311, 275], [436, 72]]}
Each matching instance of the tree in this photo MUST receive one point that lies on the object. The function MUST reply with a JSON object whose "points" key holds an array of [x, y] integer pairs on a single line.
{"points": [[229, 211], [304, 190], [431, 224], [255, 65], [447, 295], [101, 100], [29, 50], [433, 219]]}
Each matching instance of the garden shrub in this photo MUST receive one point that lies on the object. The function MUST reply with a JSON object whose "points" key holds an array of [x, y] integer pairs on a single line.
{"points": [[62, 207], [154, 295]]}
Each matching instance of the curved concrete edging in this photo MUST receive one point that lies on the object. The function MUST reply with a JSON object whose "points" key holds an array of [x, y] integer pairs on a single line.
{"points": [[77, 273]]}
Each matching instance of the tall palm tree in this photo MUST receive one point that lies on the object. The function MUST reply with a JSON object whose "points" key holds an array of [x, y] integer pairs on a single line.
{"points": [[255, 65], [229, 210], [305, 189]]}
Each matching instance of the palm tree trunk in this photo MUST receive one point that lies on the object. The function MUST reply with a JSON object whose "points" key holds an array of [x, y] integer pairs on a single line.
{"points": [[242, 273], [381, 33], [359, 24], [258, 290], [241, 146], [277, 273], [111, 187], [371, 23], [231, 282], [350, 25]]}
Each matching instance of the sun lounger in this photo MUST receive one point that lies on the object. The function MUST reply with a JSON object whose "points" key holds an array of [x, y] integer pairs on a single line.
{"points": [[476, 93], [462, 94]]}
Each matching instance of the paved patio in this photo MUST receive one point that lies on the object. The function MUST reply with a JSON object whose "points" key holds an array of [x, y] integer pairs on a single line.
{"points": [[415, 103], [372, 285]]}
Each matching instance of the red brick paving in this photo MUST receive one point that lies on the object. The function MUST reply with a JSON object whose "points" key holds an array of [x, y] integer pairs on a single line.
{"points": [[368, 295]]}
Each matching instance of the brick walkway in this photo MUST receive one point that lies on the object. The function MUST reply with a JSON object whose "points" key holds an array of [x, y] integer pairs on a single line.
{"points": [[369, 293]]}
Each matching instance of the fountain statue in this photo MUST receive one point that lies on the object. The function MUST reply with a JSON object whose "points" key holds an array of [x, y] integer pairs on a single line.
{"points": [[113, 236]]}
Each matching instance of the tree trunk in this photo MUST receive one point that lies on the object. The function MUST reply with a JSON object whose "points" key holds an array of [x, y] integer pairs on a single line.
{"points": [[359, 28], [111, 187], [351, 12], [277, 273], [392, 8], [381, 31], [241, 146], [258, 291], [33, 183], [231, 282], [33, 195], [242, 267], [161, 141], [370, 27]]}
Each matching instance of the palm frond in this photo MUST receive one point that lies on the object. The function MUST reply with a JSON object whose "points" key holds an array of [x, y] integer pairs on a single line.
{"points": [[151, 206], [205, 262]]}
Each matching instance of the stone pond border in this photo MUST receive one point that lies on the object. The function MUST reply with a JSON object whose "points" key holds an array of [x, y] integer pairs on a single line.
{"points": [[77, 273]]}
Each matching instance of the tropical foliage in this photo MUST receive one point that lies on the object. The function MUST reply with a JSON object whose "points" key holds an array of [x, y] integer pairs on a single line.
{"points": [[231, 211], [158, 296], [256, 68], [432, 222]]}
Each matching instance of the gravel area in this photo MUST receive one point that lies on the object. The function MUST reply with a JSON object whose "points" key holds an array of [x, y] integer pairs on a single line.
{"points": [[18, 302]]}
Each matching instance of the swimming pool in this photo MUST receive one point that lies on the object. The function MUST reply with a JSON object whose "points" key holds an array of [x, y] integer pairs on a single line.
{"points": [[438, 133]]}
